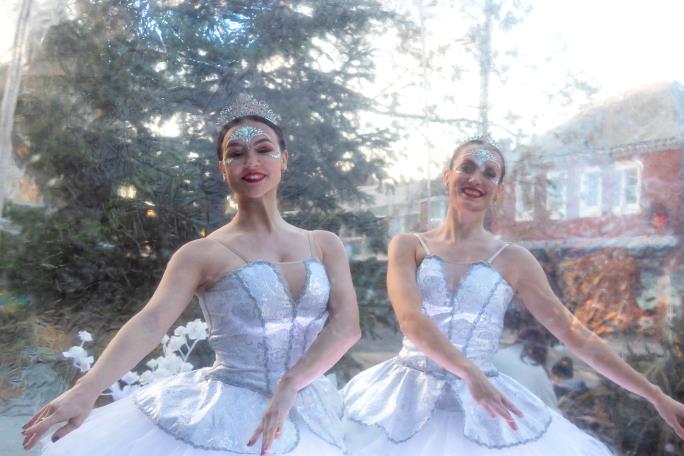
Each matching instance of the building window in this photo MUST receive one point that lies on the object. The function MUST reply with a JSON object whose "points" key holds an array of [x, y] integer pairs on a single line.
{"points": [[557, 194], [627, 187], [590, 192], [438, 209], [524, 199]]}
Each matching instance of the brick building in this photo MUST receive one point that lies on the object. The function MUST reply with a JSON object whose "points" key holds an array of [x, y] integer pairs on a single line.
{"points": [[601, 198]]}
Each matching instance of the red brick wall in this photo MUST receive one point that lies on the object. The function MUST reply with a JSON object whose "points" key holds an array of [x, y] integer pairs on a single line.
{"points": [[659, 185]]}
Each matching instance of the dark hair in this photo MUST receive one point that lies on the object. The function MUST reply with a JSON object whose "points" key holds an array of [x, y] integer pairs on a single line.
{"points": [[485, 144], [535, 346], [225, 128], [564, 368]]}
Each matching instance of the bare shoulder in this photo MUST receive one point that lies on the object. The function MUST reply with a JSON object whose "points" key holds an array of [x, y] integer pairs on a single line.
{"points": [[404, 242], [329, 243], [517, 253], [404, 251], [518, 264], [196, 249], [201, 255]]}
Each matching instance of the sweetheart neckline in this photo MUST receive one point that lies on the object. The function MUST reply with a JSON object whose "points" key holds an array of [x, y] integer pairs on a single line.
{"points": [[453, 291], [272, 265]]}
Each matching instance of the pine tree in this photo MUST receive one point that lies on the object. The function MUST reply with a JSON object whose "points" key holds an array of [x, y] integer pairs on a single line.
{"points": [[121, 196]]}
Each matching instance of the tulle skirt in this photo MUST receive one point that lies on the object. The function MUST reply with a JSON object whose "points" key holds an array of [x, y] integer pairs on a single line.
{"points": [[443, 435], [121, 429]]}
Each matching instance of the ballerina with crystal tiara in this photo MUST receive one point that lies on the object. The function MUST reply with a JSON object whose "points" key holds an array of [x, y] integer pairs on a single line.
{"points": [[281, 311], [442, 395]]}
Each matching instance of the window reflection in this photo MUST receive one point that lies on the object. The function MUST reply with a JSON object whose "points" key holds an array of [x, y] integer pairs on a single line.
{"points": [[593, 189]]}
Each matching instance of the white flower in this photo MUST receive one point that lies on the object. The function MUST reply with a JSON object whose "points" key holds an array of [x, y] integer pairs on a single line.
{"points": [[165, 339], [146, 378], [186, 367], [84, 365], [176, 342], [161, 373], [197, 330], [80, 358], [120, 393], [153, 363], [76, 352], [115, 388], [130, 378], [180, 331], [170, 363], [85, 336]]}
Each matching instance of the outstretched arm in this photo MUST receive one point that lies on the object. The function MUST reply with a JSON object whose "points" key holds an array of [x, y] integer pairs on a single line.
{"points": [[405, 296], [533, 288], [140, 335], [340, 333]]}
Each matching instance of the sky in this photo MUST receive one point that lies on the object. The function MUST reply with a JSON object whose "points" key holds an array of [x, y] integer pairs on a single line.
{"points": [[614, 46]]}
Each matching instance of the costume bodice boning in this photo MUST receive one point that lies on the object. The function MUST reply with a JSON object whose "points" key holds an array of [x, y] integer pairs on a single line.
{"points": [[400, 395], [258, 330]]}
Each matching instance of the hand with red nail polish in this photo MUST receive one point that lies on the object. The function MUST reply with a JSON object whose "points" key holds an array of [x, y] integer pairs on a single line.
{"points": [[274, 418], [71, 408]]}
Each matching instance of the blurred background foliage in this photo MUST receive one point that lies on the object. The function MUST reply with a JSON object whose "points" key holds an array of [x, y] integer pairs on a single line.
{"points": [[121, 196]]}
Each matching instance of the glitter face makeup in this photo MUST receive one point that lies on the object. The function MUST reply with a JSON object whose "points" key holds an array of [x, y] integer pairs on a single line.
{"points": [[478, 158], [274, 155], [482, 156], [247, 134]]}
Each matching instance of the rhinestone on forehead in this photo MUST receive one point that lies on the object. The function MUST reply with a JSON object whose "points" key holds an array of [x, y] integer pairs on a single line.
{"points": [[246, 105], [246, 134], [481, 156]]}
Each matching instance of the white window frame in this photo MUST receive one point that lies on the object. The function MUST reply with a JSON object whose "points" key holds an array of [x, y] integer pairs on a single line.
{"points": [[586, 210], [621, 207], [524, 212], [557, 181]]}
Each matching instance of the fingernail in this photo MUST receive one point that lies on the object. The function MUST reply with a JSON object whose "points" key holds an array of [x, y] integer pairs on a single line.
{"points": [[55, 438]]}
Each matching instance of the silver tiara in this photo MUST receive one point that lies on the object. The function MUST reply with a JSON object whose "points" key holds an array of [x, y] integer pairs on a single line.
{"points": [[246, 105], [485, 139]]}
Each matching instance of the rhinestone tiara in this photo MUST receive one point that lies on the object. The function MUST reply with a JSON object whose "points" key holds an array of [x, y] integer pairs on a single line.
{"points": [[246, 105], [485, 139]]}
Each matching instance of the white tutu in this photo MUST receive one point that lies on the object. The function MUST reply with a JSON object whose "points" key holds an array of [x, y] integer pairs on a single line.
{"points": [[258, 333], [121, 429], [443, 435]]}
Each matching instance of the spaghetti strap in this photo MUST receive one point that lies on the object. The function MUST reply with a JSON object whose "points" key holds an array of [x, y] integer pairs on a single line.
{"points": [[309, 236], [232, 250], [242, 257], [496, 254], [423, 244]]}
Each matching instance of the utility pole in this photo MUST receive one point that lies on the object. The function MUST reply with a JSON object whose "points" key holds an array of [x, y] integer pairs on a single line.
{"points": [[9, 99], [485, 67], [428, 146]]}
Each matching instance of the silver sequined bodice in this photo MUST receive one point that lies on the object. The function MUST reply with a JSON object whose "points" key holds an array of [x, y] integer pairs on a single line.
{"points": [[256, 328], [258, 331], [400, 395], [471, 315]]}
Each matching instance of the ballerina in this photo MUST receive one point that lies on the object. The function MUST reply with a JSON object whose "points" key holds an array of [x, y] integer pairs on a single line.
{"points": [[449, 287], [281, 311]]}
